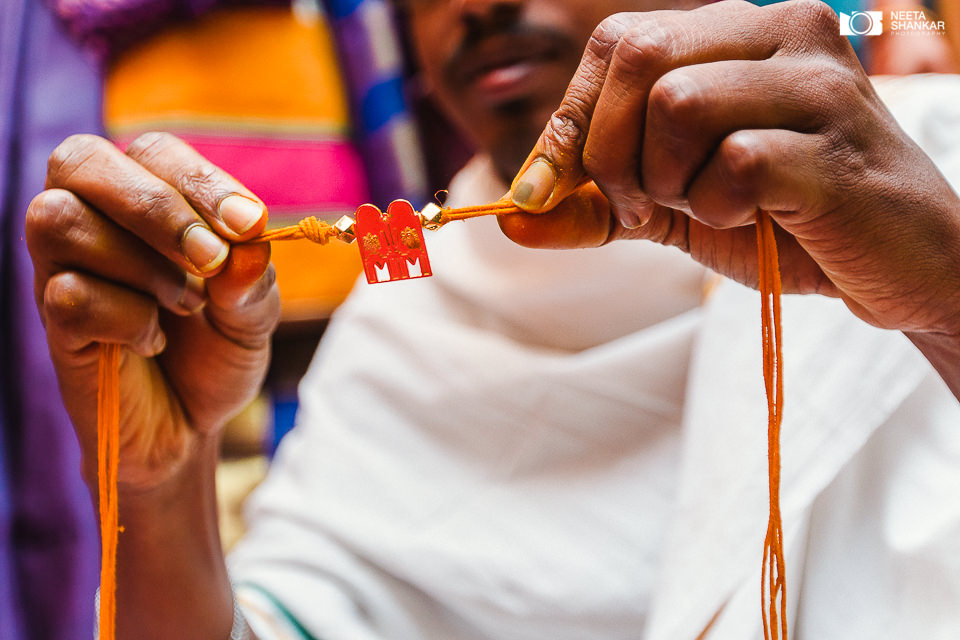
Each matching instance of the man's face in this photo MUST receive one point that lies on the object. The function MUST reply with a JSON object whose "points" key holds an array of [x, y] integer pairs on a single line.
{"points": [[500, 67]]}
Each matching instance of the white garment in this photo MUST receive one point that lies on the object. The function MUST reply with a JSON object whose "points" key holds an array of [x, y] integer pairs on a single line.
{"points": [[563, 445]]}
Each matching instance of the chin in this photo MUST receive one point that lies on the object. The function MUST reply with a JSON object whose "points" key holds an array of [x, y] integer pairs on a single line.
{"points": [[510, 153], [518, 127]]}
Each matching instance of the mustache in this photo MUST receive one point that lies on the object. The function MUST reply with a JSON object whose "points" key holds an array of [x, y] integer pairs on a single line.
{"points": [[478, 37]]}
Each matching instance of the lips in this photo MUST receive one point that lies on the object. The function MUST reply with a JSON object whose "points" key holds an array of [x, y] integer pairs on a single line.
{"points": [[501, 67]]}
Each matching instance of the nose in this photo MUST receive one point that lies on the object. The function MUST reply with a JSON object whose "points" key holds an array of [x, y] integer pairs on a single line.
{"points": [[488, 11]]}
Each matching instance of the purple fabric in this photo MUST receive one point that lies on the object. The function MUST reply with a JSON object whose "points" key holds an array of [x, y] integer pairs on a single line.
{"points": [[385, 158], [105, 26], [48, 545]]}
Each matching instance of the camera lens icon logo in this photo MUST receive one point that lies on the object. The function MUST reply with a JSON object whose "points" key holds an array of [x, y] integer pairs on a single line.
{"points": [[861, 23]]}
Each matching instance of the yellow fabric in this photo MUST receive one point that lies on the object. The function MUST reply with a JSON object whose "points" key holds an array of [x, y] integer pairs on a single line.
{"points": [[247, 71], [248, 65]]}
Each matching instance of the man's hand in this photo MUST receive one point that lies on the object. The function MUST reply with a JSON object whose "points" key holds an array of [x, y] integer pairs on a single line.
{"points": [[689, 122], [136, 249]]}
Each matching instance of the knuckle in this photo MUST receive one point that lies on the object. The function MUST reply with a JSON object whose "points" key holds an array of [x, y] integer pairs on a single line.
{"points": [[606, 36], [67, 302], [817, 14], [744, 161], [850, 165], [643, 47], [819, 22], [567, 128], [45, 208], [201, 179], [834, 92], [153, 203], [48, 214], [839, 83], [676, 100], [149, 144], [70, 155]]}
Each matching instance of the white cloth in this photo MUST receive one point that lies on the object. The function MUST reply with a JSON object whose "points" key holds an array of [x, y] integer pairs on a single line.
{"points": [[565, 445]]}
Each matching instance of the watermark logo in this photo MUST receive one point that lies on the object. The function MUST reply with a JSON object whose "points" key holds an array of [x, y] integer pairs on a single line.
{"points": [[861, 23], [915, 21]]}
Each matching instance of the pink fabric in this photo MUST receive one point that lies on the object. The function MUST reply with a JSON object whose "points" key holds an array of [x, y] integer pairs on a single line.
{"points": [[284, 172]]}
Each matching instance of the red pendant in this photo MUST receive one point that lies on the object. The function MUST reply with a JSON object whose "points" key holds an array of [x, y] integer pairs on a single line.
{"points": [[391, 243]]}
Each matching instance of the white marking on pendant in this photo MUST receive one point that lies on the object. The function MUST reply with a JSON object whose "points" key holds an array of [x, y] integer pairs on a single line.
{"points": [[414, 268]]}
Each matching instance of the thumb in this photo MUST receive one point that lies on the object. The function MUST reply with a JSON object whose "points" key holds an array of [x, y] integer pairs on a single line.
{"points": [[244, 303], [554, 169], [581, 220]]}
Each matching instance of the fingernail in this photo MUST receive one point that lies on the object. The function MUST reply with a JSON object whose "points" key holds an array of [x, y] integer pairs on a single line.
{"points": [[533, 188], [192, 299], [240, 213], [637, 214], [203, 248], [630, 220], [159, 342]]}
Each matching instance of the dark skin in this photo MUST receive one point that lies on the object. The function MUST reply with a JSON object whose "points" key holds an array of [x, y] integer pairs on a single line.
{"points": [[536, 43], [689, 122], [118, 260], [142, 248]]}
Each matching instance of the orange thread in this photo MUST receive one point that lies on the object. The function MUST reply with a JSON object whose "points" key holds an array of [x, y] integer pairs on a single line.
{"points": [[320, 232], [309, 228], [773, 579], [773, 583], [496, 208], [108, 415], [108, 460]]}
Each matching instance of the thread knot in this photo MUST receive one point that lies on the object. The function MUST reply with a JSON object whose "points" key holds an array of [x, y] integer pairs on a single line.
{"points": [[315, 230]]}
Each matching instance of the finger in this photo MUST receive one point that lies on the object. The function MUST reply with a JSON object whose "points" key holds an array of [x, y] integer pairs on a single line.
{"points": [[242, 294], [234, 331], [229, 207], [65, 234], [688, 110], [731, 252], [798, 178], [120, 188], [81, 310], [641, 46], [692, 109], [776, 170], [581, 220], [244, 301]]}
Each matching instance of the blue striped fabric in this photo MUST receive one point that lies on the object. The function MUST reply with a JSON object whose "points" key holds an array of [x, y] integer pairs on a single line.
{"points": [[373, 66]]}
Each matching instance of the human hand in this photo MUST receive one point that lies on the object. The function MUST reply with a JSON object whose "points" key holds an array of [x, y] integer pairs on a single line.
{"points": [[135, 249], [689, 122]]}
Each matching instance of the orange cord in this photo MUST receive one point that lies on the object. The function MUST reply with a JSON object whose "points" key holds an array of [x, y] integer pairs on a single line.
{"points": [[320, 232], [500, 208], [309, 228], [773, 575], [773, 587], [108, 460]]}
